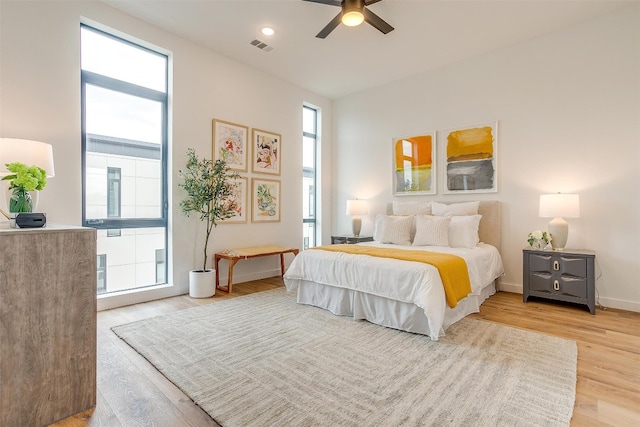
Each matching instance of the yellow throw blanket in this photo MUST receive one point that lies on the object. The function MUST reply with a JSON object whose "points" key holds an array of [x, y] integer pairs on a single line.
{"points": [[453, 269]]}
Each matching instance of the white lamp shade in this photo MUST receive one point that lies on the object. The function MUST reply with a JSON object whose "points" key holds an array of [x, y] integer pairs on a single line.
{"points": [[31, 153], [559, 206], [357, 207]]}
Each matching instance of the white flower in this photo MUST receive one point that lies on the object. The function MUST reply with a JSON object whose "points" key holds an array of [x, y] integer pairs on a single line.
{"points": [[538, 235]]}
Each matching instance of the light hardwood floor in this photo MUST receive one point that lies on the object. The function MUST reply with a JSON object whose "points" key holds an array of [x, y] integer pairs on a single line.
{"points": [[132, 393]]}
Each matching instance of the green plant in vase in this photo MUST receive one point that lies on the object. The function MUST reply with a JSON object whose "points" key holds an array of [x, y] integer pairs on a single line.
{"points": [[208, 184], [24, 180]]}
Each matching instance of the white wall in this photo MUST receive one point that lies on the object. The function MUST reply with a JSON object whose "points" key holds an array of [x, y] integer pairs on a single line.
{"points": [[568, 106], [40, 99]]}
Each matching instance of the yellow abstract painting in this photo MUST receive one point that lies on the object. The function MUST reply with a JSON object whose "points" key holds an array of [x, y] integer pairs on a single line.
{"points": [[413, 164], [471, 159]]}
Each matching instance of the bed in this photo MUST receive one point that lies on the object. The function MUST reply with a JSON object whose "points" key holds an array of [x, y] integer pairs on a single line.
{"points": [[401, 294]]}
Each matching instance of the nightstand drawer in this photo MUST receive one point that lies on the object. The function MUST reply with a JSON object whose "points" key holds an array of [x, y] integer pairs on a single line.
{"points": [[557, 285], [558, 264]]}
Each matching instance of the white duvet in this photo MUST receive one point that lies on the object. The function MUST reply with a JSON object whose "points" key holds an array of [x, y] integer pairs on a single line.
{"points": [[407, 281]]}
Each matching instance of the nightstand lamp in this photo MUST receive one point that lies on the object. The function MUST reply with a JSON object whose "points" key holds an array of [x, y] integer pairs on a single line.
{"points": [[357, 208], [559, 206]]}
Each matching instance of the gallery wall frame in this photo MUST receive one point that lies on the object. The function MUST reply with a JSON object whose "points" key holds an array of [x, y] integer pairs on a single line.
{"points": [[414, 165], [238, 202], [470, 158], [266, 151], [265, 200], [230, 142]]}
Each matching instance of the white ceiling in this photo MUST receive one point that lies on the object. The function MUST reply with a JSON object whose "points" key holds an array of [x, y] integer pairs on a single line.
{"points": [[428, 34]]}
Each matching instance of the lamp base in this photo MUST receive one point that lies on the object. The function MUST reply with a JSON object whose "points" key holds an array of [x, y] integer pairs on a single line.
{"points": [[559, 230], [356, 226]]}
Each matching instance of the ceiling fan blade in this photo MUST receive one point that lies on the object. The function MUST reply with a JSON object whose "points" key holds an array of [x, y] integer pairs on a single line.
{"points": [[330, 27], [368, 2], [329, 2], [376, 21]]}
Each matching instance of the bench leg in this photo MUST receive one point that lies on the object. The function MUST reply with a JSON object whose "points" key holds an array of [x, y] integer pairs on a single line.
{"points": [[228, 288]]}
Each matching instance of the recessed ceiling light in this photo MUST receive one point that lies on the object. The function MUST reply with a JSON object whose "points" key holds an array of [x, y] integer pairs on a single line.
{"points": [[267, 31]]}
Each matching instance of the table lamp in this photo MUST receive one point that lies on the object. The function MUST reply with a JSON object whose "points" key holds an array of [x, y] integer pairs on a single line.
{"points": [[356, 208], [559, 206]]}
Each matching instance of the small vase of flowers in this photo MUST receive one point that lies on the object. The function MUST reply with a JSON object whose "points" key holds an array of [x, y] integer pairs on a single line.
{"points": [[539, 239], [22, 182]]}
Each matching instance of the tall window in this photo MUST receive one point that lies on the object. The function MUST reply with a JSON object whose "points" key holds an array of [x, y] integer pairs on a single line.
{"points": [[113, 192], [124, 154], [309, 178]]}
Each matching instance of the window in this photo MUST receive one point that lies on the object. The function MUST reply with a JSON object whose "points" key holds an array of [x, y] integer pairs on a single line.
{"points": [[309, 178], [102, 273], [161, 269], [124, 154], [113, 192]]}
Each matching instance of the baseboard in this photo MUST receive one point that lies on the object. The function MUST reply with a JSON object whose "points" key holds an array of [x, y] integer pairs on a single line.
{"points": [[509, 287], [605, 302], [619, 304]]}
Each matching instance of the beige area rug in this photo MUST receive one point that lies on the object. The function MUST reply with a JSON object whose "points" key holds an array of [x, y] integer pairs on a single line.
{"points": [[263, 360]]}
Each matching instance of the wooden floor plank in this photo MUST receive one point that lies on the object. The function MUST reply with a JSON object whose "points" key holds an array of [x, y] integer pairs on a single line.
{"points": [[131, 392]]}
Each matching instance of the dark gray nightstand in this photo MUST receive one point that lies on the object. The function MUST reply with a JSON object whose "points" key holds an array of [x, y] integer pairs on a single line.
{"points": [[350, 239], [566, 275]]}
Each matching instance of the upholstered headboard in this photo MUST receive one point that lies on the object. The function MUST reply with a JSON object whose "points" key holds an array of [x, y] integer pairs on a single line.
{"points": [[489, 230]]}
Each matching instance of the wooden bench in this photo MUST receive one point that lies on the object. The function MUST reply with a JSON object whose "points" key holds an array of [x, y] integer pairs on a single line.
{"points": [[235, 255]]}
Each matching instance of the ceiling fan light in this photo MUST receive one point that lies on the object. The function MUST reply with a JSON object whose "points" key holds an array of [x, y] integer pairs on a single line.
{"points": [[352, 18]]}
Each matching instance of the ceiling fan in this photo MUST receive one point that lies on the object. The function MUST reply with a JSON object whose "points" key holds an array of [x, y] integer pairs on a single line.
{"points": [[352, 14]]}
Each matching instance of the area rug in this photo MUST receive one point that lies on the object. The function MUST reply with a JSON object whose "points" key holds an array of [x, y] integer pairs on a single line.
{"points": [[263, 360]]}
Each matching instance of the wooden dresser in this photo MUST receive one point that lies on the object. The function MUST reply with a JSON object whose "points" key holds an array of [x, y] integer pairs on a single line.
{"points": [[47, 324]]}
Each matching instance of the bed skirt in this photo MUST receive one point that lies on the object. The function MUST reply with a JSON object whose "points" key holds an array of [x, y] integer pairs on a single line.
{"points": [[383, 311]]}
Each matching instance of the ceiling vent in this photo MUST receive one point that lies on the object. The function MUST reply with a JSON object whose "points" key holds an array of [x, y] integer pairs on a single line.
{"points": [[261, 45]]}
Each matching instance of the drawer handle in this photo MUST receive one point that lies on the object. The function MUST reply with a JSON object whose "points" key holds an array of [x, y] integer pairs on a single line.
{"points": [[556, 266], [556, 285]]}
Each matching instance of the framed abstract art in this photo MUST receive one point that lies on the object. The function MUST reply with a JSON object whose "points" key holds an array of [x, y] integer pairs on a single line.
{"points": [[414, 169], [266, 152], [230, 144], [470, 159], [265, 200], [237, 201]]}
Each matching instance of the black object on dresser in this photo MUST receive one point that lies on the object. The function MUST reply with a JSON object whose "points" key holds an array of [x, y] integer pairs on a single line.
{"points": [[350, 239], [566, 275]]}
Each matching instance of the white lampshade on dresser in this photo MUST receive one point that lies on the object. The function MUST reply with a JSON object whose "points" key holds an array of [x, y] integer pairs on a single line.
{"points": [[31, 153], [559, 206]]}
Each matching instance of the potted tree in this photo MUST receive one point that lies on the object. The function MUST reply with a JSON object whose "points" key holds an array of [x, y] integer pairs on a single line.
{"points": [[208, 185]]}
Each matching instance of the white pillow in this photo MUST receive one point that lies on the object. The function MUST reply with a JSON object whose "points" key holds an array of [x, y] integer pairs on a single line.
{"points": [[378, 226], [463, 231], [432, 230], [411, 208], [467, 208], [397, 230]]}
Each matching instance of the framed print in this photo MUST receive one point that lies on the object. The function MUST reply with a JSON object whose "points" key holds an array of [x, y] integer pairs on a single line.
{"points": [[265, 204], [230, 144], [414, 170], [266, 152], [238, 203], [471, 159]]}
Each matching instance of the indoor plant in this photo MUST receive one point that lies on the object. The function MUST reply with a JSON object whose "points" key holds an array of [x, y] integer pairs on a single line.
{"points": [[539, 239], [24, 180], [208, 185]]}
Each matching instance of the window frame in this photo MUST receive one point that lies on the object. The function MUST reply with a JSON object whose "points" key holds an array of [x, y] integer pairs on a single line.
{"points": [[313, 199], [109, 83]]}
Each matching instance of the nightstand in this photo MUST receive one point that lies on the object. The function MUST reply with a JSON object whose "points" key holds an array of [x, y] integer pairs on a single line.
{"points": [[560, 275], [350, 239]]}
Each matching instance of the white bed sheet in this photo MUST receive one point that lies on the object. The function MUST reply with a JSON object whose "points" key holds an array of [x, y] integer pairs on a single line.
{"points": [[401, 284]]}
